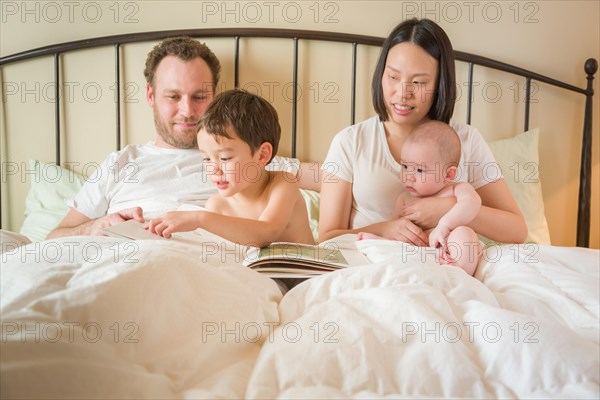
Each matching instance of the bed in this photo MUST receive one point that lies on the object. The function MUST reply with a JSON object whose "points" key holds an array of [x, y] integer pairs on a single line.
{"points": [[101, 317]]}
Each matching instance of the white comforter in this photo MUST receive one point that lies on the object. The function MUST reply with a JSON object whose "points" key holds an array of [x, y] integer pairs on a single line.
{"points": [[110, 318]]}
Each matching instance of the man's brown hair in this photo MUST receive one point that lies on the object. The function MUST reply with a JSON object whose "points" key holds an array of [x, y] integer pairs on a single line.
{"points": [[184, 48]]}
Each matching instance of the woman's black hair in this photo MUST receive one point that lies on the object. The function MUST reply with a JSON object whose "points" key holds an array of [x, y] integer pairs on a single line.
{"points": [[432, 38]]}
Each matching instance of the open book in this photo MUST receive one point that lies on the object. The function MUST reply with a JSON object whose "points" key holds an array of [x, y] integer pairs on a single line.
{"points": [[279, 260], [294, 260], [134, 230], [131, 229]]}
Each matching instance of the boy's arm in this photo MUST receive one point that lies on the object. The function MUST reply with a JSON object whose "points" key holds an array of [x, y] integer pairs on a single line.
{"points": [[463, 212], [262, 232]]}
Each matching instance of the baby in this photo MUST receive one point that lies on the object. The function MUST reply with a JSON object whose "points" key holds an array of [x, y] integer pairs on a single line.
{"points": [[429, 160], [238, 136]]}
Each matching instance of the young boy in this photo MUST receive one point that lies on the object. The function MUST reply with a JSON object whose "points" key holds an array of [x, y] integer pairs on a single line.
{"points": [[429, 159], [238, 136]]}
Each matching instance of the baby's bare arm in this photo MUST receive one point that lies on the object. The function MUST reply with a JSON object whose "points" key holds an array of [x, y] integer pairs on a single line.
{"points": [[466, 208], [400, 202]]}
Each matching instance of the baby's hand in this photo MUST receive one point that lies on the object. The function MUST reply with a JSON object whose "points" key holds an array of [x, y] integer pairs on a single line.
{"points": [[439, 236]]}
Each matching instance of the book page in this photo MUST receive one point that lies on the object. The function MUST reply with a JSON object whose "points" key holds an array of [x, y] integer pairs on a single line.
{"points": [[131, 229], [292, 252], [334, 254]]}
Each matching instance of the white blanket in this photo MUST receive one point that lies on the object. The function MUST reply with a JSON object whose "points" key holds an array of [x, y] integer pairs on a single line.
{"points": [[107, 318], [160, 322]]}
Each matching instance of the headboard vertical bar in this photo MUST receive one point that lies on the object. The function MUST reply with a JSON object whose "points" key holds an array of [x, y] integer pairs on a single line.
{"points": [[295, 97], [527, 102], [470, 93], [585, 175], [3, 154], [57, 105], [353, 95], [118, 95], [236, 71]]}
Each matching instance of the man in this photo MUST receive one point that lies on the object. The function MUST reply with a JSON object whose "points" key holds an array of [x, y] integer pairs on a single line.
{"points": [[166, 174]]}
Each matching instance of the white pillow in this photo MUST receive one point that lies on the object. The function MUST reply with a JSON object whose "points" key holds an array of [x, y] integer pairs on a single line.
{"points": [[518, 157], [312, 199], [45, 203]]}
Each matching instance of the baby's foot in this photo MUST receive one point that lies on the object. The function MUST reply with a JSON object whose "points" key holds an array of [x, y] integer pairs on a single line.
{"points": [[446, 258], [367, 235]]}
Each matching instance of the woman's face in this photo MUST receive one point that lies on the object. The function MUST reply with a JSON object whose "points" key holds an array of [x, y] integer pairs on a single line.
{"points": [[409, 84]]}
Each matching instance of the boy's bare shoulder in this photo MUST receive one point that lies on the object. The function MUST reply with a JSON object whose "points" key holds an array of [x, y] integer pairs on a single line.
{"points": [[283, 178], [217, 203]]}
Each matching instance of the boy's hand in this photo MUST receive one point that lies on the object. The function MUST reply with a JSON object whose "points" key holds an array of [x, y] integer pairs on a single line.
{"points": [[173, 221]]}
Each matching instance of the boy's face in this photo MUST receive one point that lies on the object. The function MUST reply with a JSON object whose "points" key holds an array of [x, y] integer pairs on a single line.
{"points": [[423, 171], [229, 163]]}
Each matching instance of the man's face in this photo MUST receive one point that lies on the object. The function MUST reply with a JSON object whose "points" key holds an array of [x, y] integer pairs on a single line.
{"points": [[181, 92]]}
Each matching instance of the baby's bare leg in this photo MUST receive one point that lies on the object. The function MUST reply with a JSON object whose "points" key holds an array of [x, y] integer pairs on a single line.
{"points": [[464, 249]]}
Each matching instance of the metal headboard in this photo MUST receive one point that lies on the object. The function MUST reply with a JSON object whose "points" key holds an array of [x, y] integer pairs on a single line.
{"points": [[590, 67]]}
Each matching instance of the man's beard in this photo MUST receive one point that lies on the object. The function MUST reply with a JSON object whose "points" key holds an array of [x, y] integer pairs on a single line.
{"points": [[182, 139]]}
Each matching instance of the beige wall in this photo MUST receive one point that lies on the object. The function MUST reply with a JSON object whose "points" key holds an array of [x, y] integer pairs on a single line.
{"points": [[550, 37]]}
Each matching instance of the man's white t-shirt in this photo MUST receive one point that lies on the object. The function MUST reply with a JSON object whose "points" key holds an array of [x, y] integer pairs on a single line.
{"points": [[154, 178], [360, 154]]}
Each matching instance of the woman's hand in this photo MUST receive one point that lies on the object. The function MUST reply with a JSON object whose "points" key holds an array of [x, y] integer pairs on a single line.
{"points": [[403, 230], [426, 212]]}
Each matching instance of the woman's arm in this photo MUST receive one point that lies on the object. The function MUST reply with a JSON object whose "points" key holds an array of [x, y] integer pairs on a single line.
{"points": [[335, 207], [500, 218], [334, 216]]}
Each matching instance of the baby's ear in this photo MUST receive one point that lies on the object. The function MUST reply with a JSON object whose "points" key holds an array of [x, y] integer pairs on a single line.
{"points": [[451, 172], [264, 153]]}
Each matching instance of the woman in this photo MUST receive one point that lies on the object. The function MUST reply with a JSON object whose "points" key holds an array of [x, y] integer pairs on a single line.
{"points": [[414, 81]]}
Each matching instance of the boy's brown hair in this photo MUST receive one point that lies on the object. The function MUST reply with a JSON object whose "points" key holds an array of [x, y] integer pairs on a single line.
{"points": [[252, 118]]}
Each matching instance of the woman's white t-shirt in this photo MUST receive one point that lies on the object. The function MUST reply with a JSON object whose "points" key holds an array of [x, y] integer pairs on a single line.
{"points": [[360, 154]]}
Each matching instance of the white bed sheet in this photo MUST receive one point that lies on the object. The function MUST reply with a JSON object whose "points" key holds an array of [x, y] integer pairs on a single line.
{"points": [[183, 321], [527, 327]]}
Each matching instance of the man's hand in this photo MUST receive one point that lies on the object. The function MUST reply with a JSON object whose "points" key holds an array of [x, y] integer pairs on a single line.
{"points": [[174, 221], [98, 225]]}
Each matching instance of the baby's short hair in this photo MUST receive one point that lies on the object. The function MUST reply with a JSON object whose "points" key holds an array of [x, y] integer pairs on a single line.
{"points": [[442, 136], [251, 117]]}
